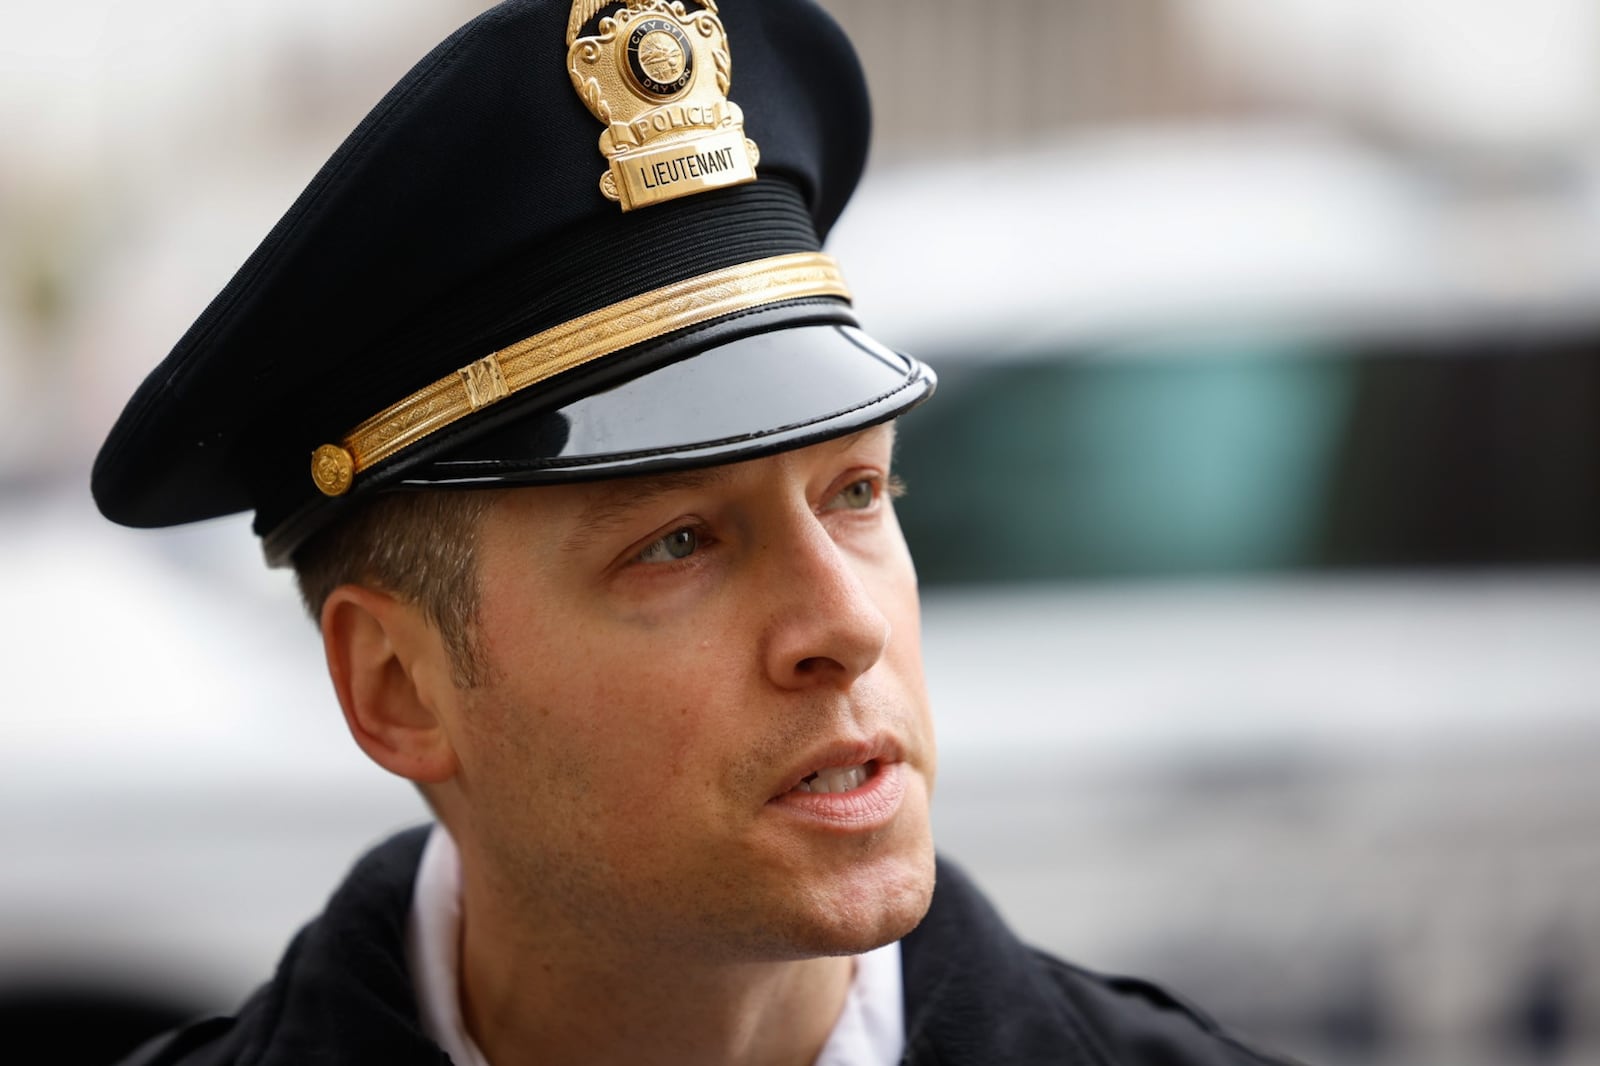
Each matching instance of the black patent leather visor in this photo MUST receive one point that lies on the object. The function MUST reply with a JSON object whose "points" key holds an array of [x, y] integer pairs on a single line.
{"points": [[763, 390], [750, 397]]}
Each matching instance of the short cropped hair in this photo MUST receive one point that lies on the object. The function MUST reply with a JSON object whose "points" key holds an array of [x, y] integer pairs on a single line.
{"points": [[420, 547]]}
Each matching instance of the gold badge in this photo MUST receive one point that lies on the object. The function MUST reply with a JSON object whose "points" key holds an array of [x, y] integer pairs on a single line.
{"points": [[658, 78]]}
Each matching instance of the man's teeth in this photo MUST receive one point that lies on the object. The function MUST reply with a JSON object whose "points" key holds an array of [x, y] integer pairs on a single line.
{"points": [[836, 779]]}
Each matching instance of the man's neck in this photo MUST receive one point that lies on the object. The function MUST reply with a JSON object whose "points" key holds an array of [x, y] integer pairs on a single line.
{"points": [[532, 1000]]}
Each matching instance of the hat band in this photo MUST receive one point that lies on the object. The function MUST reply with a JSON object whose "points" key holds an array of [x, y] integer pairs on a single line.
{"points": [[636, 320]]}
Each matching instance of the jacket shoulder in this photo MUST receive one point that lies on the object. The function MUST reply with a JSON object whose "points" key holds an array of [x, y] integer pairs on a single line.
{"points": [[1136, 1020], [210, 1042], [341, 988], [976, 994]]}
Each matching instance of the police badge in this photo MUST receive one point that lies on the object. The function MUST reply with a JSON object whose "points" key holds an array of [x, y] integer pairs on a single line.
{"points": [[658, 77]]}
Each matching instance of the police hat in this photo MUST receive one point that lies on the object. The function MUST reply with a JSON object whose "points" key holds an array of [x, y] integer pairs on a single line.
{"points": [[581, 239]]}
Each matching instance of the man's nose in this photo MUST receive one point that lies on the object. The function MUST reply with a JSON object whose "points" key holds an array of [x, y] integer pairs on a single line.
{"points": [[825, 628]]}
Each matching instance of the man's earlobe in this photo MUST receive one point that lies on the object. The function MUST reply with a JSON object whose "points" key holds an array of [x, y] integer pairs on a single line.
{"points": [[392, 675]]}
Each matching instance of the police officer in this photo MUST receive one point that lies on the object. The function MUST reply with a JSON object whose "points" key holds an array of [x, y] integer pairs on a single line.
{"points": [[549, 396]]}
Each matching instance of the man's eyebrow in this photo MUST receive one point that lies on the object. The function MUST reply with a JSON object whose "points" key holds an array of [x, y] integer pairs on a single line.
{"points": [[618, 499], [890, 429]]}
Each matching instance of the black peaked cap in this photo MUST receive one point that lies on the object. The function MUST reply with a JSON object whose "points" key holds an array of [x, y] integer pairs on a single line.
{"points": [[464, 215]]}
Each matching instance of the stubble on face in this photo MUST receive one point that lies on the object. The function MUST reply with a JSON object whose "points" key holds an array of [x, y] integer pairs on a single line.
{"points": [[616, 769]]}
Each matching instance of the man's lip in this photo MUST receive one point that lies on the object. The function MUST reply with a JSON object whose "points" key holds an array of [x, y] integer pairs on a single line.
{"points": [[881, 749]]}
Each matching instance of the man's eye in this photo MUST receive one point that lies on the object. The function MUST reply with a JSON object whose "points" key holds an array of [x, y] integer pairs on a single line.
{"points": [[679, 544], [857, 496]]}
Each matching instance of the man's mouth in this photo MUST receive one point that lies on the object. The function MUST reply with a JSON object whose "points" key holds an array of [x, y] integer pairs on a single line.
{"points": [[838, 778], [855, 797]]}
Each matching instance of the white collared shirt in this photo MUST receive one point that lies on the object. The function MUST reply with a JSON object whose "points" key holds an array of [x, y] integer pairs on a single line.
{"points": [[870, 1030]]}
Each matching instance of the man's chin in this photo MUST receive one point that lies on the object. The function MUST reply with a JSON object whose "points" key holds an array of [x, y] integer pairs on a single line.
{"points": [[877, 907]]}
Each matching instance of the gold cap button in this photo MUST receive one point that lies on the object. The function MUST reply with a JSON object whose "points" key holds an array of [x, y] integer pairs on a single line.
{"points": [[333, 469]]}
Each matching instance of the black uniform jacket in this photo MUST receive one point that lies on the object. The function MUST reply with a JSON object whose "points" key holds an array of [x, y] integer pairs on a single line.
{"points": [[974, 994]]}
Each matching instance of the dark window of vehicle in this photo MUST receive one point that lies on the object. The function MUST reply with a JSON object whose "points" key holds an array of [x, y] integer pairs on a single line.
{"points": [[1232, 455]]}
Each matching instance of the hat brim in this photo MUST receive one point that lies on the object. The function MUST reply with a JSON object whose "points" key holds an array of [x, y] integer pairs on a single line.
{"points": [[754, 395]]}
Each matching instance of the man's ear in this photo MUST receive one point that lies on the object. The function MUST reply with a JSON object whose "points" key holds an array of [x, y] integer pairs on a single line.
{"points": [[392, 675]]}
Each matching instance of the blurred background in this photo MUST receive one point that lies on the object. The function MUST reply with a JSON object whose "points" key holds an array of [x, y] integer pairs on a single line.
{"points": [[1258, 516]]}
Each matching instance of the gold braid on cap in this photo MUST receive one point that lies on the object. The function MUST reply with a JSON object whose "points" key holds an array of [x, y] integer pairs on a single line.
{"points": [[637, 320]]}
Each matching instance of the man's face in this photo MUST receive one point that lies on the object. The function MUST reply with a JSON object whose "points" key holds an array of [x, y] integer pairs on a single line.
{"points": [[672, 659]]}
